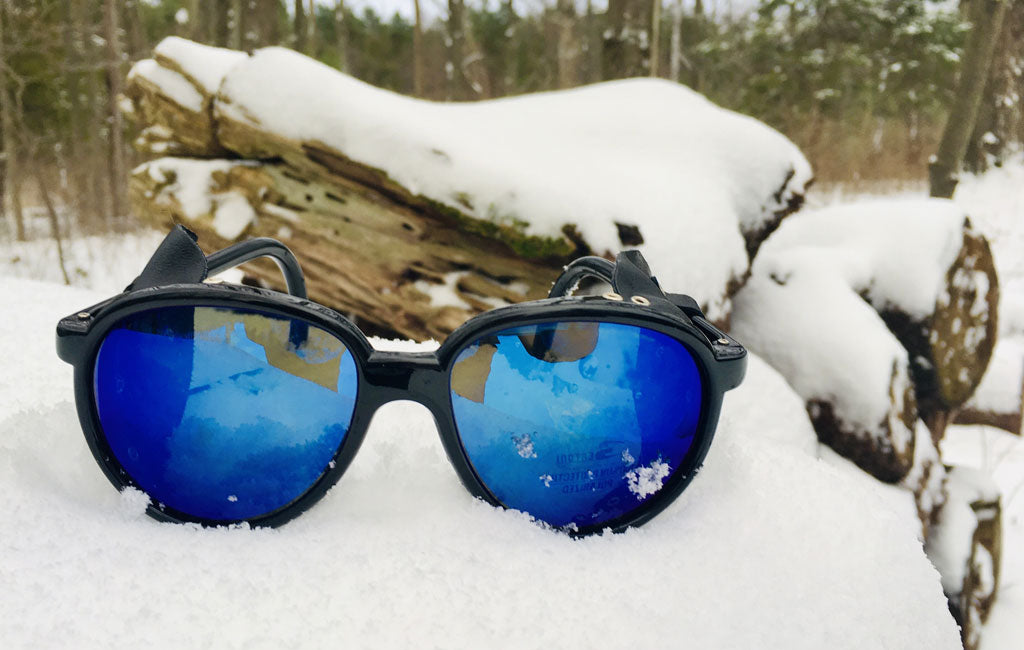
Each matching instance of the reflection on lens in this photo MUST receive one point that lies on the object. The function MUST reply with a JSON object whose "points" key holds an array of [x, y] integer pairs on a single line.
{"points": [[576, 422], [223, 414]]}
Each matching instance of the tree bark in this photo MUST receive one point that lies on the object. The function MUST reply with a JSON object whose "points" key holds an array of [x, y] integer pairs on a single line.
{"points": [[341, 30], [944, 169], [459, 87], [567, 48], [111, 32], [9, 172], [676, 56], [417, 52], [299, 28], [312, 41], [655, 37], [626, 51]]}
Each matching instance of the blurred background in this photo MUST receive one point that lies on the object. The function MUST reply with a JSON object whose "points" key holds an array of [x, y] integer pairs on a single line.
{"points": [[862, 87]]}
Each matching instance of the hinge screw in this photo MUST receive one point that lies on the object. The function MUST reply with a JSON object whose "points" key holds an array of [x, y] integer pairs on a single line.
{"points": [[722, 341], [82, 315]]}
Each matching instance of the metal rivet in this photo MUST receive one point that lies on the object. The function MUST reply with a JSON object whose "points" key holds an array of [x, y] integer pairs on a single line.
{"points": [[640, 300], [82, 315], [722, 341], [611, 295]]}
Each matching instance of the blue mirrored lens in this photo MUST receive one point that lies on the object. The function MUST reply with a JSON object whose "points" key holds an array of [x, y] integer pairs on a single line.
{"points": [[223, 414], [576, 422]]}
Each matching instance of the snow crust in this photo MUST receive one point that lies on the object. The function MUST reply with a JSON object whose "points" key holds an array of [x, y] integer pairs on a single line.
{"points": [[769, 548], [641, 152]]}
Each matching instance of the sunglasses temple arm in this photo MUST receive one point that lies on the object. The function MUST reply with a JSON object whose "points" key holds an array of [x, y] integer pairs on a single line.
{"points": [[590, 266], [251, 249]]}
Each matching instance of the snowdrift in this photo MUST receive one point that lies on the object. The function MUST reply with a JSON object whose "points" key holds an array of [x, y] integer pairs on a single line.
{"points": [[769, 548]]}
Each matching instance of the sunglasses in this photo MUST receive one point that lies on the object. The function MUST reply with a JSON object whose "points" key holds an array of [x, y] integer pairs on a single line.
{"points": [[228, 404]]}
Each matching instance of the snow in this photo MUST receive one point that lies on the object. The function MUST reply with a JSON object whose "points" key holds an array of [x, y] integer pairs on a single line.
{"points": [[205, 64], [1000, 388], [906, 267], [171, 84], [233, 216], [768, 548], [812, 350], [1000, 455], [191, 183], [582, 156], [949, 545]]}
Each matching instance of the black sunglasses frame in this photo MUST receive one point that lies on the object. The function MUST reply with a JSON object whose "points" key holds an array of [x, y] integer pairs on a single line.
{"points": [[422, 377]]}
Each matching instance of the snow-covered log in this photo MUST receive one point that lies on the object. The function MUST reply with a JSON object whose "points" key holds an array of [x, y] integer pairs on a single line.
{"points": [[999, 399], [966, 548], [525, 183], [875, 313]]}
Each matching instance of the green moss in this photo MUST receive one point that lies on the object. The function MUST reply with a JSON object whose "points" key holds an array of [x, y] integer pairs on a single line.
{"points": [[508, 229]]}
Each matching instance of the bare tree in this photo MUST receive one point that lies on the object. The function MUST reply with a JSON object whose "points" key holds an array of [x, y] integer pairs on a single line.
{"points": [[111, 32], [300, 35], [676, 57], [458, 84], [655, 36], [341, 30], [417, 52], [944, 169], [312, 42], [9, 171], [568, 50], [626, 51]]}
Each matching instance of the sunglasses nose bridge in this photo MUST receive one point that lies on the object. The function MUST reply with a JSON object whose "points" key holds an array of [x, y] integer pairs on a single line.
{"points": [[415, 376]]}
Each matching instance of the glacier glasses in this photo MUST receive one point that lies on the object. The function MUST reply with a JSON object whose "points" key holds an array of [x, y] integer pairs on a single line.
{"points": [[228, 404]]}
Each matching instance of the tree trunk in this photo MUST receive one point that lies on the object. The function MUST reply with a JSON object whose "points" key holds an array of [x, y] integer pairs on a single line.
{"points": [[299, 36], [944, 169], [459, 87], [199, 15], [655, 37], [994, 129], [567, 48], [312, 41], [111, 32], [417, 52], [626, 51], [341, 29], [676, 56], [137, 44], [9, 172]]}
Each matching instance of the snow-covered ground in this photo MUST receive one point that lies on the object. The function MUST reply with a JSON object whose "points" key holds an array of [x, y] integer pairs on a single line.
{"points": [[771, 547]]}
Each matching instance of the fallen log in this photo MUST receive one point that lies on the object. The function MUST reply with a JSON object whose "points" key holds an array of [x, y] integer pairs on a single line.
{"points": [[468, 205], [966, 548], [876, 313], [999, 399]]}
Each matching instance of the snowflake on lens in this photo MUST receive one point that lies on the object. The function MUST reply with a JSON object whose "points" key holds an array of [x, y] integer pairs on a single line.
{"points": [[645, 481], [524, 446]]}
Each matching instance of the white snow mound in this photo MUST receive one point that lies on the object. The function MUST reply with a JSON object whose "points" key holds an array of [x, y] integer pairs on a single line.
{"points": [[769, 548]]}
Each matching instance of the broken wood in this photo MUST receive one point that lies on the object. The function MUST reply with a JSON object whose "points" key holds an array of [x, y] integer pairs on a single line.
{"points": [[401, 257]]}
